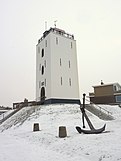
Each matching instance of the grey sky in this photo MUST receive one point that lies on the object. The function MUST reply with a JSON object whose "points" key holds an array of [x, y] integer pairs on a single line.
{"points": [[96, 25]]}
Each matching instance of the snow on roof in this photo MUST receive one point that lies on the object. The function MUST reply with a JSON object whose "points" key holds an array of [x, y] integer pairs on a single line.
{"points": [[103, 85]]}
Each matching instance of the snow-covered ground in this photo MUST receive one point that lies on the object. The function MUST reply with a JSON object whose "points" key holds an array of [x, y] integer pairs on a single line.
{"points": [[18, 142], [5, 113]]}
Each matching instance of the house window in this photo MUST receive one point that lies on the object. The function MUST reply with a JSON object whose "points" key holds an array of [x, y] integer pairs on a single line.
{"points": [[70, 81], [61, 81], [42, 70], [56, 40], [60, 62], [115, 89], [42, 52], [69, 64], [45, 43], [118, 99], [71, 45]]}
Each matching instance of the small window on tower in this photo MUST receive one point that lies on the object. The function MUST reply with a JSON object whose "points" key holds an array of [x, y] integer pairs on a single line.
{"points": [[71, 45], [69, 64], [56, 40], [42, 52], [46, 43], [61, 81], [40, 67], [70, 81], [42, 70], [60, 62], [42, 84]]}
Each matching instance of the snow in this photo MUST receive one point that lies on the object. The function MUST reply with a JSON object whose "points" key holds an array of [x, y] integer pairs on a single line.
{"points": [[6, 113], [18, 142], [115, 110]]}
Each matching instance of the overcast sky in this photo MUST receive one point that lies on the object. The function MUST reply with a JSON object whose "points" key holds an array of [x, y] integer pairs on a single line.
{"points": [[96, 25]]}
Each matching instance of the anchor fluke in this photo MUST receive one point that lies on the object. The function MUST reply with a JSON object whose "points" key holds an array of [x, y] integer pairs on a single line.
{"points": [[93, 131]]}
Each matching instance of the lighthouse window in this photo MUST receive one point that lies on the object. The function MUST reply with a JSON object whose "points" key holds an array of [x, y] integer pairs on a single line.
{"points": [[42, 83], [42, 52], [71, 45], [46, 43], [40, 67], [70, 81], [56, 40], [69, 64], [61, 81], [60, 62], [42, 70]]}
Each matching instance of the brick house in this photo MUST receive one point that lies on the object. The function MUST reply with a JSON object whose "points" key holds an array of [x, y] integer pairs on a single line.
{"points": [[106, 94]]}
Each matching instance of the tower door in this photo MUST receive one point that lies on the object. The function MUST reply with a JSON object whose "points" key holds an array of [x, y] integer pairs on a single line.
{"points": [[42, 98]]}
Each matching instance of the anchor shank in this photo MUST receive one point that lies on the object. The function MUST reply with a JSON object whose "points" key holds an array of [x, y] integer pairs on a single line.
{"points": [[83, 110], [89, 122], [84, 115]]}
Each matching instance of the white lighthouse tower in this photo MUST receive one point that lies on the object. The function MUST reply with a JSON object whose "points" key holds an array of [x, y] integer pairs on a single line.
{"points": [[56, 68]]}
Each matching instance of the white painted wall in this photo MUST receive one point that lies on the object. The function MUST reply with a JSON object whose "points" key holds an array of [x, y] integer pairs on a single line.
{"points": [[47, 69], [53, 71], [64, 52]]}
